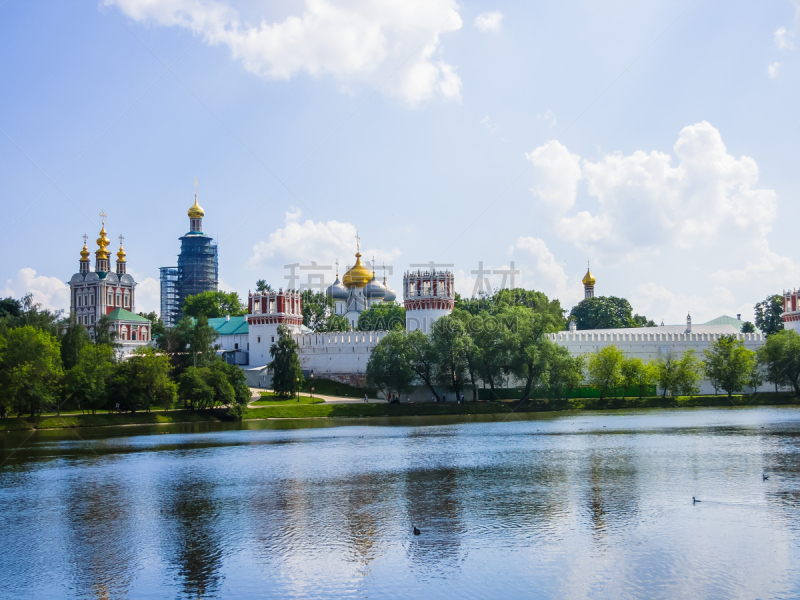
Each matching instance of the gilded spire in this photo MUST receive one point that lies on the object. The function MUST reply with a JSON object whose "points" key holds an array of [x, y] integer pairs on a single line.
{"points": [[103, 241], [85, 251], [588, 279], [121, 253], [195, 210]]}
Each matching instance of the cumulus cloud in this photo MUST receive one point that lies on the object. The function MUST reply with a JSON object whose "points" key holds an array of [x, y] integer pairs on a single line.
{"points": [[50, 292], [543, 272], [658, 303], [306, 241], [355, 43], [783, 39], [774, 69], [489, 22], [148, 295], [643, 200]]}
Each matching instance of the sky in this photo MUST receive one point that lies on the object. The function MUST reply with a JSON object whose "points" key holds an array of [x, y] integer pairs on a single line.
{"points": [[658, 141]]}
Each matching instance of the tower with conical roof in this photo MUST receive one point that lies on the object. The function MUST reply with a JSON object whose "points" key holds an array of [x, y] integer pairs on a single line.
{"points": [[197, 270], [588, 283]]}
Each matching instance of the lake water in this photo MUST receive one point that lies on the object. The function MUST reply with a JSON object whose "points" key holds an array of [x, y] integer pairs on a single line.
{"points": [[589, 505]]}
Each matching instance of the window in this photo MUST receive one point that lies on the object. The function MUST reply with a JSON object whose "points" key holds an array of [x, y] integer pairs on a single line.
{"points": [[273, 338], [236, 346], [119, 299], [133, 335], [259, 339], [80, 300], [110, 299], [127, 299]]}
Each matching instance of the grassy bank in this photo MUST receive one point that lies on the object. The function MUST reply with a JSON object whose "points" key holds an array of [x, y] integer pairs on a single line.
{"points": [[290, 409]]}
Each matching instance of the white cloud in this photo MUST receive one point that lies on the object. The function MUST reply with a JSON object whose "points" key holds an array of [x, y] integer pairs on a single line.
{"points": [[50, 292], [783, 39], [546, 274], [356, 43], [774, 69], [641, 201], [486, 122], [489, 21], [658, 303], [548, 117], [306, 241], [148, 295]]}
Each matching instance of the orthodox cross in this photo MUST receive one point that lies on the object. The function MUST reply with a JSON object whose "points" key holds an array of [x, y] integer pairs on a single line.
{"points": [[358, 242], [337, 268], [121, 237], [103, 216], [195, 186], [85, 239]]}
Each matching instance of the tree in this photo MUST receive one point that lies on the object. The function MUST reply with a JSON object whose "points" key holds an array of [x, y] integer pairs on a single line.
{"points": [[88, 381], [423, 358], [502, 300], [30, 370], [389, 368], [214, 305], [678, 376], [317, 309], [287, 376], [449, 341], [492, 341], [383, 317], [262, 286], [193, 390], [10, 308], [634, 375], [566, 372], [241, 391], [104, 333], [606, 312], [605, 369], [74, 337], [157, 327], [728, 364], [768, 314], [143, 381], [530, 350], [748, 327], [200, 338], [780, 357]]}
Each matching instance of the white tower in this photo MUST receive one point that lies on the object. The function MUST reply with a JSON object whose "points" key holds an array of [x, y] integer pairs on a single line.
{"points": [[791, 310], [266, 311], [427, 295]]}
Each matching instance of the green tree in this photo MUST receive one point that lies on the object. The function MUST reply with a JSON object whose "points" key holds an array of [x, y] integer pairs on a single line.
{"points": [[606, 312], [728, 364], [105, 334], [287, 376], [10, 308], [769, 314], [193, 389], [198, 339], [33, 315], [383, 317], [157, 327], [502, 300], [241, 391], [30, 370], [389, 368], [423, 358], [748, 327], [214, 305], [531, 350], [262, 286], [317, 310], [449, 340], [74, 337], [605, 369], [635, 375], [89, 380], [492, 341], [143, 381], [780, 358], [678, 376], [566, 372]]}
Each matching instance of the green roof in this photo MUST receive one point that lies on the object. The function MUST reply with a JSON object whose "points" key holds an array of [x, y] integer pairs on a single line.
{"points": [[234, 326], [120, 314], [726, 320]]}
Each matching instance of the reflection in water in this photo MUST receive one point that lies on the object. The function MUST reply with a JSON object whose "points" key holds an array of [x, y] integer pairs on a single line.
{"points": [[587, 506], [191, 534]]}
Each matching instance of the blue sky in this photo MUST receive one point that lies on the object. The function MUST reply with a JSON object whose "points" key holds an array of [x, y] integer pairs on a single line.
{"points": [[659, 140]]}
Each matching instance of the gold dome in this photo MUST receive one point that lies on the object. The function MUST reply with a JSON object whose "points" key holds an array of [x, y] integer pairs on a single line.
{"points": [[588, 279], [103, 243], [85, 254], [195, 210], [358, 276], [121, 254]]}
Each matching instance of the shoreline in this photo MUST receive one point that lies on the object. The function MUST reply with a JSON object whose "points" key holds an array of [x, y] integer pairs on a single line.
{"points": [[357, 410]]}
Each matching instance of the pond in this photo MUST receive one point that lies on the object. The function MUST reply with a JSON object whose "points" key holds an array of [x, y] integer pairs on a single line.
{"points": [[585, 505]]}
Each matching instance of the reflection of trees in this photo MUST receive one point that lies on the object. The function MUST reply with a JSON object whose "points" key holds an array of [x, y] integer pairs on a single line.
{"points": [[194, 539], [612, 498], [101, 535]]}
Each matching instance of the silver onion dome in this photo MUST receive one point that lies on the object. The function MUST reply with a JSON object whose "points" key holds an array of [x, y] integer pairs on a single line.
{"points": [[337, 291], [374, 290]]}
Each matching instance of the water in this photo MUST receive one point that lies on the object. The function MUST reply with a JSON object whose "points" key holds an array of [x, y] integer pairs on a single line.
{"points": [[581, 506]]}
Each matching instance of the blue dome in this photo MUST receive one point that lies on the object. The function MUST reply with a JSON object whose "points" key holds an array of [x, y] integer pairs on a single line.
{"points": [[337, 291], [374, 290]]}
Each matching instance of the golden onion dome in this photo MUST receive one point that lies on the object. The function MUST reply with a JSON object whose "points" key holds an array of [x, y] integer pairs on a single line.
{"points": [[358, 276], [195, 210], [121, 254], [85, 254], [103, 243], [588, 279]]}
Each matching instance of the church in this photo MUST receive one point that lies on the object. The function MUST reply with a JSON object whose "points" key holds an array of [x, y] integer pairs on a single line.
{"points": [[103, 292]]}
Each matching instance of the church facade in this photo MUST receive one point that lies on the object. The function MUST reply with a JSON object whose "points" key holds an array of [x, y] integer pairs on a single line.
{"points": [[103, 292]]}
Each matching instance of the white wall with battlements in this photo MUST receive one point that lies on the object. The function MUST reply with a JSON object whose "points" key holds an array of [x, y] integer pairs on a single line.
{"points": [[337, 353]]}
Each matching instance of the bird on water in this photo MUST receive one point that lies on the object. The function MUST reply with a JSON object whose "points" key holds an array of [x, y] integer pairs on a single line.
{"points": [[695, 500], [416, 531], [764, 477]]}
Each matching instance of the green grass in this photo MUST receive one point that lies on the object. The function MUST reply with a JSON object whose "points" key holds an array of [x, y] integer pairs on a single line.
{"points": [[107, 420], [298, 411], [326, 387], [272, 399]]}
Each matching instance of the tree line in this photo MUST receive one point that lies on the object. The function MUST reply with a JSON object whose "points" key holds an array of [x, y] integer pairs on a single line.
{"points": [[510, 343], [50, 364]]}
